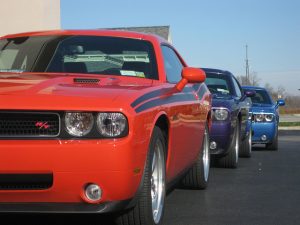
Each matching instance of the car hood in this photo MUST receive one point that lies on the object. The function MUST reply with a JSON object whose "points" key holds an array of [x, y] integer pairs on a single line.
{"points": [[225, 101], [68, 92], [260, 108]]}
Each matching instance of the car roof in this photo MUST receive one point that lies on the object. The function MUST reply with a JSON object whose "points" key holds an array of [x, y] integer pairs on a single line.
{"points": [[216, 71], [100, 32], [253, 88]]}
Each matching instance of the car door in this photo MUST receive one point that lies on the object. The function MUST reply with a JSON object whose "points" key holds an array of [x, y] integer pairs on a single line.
{"points": [[185, 126]]}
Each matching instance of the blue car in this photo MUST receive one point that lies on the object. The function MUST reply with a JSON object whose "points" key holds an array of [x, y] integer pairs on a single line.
{"points": [[265, 118], [230, 133]]}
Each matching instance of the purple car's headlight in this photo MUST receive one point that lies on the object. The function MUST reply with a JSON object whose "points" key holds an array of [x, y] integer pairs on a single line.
{"points": [[221, 114]]}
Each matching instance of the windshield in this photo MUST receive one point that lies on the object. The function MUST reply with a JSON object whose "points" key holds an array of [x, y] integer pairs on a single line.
{"points": [[218, 84], [79, 54], [261, 97]]}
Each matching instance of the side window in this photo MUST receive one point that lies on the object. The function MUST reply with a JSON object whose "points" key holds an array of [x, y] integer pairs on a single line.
{"points": [[172, 64], [237, 88]]}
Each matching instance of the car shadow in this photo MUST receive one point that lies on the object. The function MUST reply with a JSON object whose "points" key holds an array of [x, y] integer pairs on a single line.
{"points": [[261, 147], [56, 219]]}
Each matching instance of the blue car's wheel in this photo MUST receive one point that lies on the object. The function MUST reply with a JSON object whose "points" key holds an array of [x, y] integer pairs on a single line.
{"points": [[274, 145], [246, 147]]}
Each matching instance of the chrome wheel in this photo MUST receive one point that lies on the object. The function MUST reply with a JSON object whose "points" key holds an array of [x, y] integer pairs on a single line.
{"points": [[237, 144], [206, 156], [250, 141], [158, 181]]}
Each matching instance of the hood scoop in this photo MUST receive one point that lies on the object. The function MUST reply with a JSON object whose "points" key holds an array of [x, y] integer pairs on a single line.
{"points": [[86, 81]]}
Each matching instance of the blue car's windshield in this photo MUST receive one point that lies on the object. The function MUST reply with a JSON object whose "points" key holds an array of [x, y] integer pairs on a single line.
{"points": [[218, 84], [261, 97]]}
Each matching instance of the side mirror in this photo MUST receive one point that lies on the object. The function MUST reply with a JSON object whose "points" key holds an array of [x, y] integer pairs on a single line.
{"points": [[250, 93], [190, 75], [280, 102]]}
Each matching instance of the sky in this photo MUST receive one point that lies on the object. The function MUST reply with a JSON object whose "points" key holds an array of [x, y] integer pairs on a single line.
{"points": [[210, 33]]}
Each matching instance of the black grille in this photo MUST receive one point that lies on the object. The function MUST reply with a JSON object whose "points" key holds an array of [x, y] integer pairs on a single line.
{"points": [[25, 181], [29, 124]]}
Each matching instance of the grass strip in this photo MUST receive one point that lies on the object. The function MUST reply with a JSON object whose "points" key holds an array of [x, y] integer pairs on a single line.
{"points": [[289, 124]]}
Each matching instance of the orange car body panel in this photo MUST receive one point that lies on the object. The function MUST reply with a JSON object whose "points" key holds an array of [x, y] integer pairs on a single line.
{"points": [[115, 164]]}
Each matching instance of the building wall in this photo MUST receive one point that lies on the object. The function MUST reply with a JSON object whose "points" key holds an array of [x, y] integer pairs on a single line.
{"points": [[18, 16]]}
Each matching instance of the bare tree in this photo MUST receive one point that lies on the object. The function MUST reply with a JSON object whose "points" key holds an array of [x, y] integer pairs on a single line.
{"points": [[253, 79], [281, 93], [269, 88]]}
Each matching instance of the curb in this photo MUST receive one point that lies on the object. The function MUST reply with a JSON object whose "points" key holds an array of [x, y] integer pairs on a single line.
{"points": [[289, 128]]}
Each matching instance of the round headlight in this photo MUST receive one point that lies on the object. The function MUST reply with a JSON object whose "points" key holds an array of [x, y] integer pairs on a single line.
{"points": [[111, 124], [259, 117], [269, 117], [79, 124], [221, 114]]}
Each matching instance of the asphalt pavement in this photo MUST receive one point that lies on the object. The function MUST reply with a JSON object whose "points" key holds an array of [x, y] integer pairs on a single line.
{"points": [[264, 190]]}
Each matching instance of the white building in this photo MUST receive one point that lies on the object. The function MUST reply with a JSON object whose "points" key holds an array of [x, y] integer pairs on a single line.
{"points": [[18, 16]]}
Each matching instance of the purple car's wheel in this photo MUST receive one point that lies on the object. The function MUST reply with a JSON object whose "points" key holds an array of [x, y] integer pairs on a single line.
{"points": [[231, 159]]}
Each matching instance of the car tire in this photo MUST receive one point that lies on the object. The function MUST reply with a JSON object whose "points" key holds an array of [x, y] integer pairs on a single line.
{"points": [[150, 205], [246, 147], [231, 159], [274, 145], [198, 176]]}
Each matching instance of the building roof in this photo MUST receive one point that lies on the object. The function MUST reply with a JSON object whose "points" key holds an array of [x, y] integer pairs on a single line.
{"points": [[116, 33], [162, 31]]}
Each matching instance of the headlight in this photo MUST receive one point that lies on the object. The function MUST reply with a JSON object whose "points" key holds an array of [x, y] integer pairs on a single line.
{"points": [[263, 117], [269, 117], [111, 124], [78, 123], [259, 117], [221, 114]]}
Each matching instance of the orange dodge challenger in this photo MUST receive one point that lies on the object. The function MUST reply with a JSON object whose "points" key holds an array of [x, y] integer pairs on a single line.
{"points": [[99, 121]]}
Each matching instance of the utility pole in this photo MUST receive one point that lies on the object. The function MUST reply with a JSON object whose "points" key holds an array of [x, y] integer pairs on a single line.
{"points": [[247, 67]]}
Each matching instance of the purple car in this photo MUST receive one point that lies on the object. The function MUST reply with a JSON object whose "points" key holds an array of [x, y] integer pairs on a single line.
{"points": [[230, 135]]}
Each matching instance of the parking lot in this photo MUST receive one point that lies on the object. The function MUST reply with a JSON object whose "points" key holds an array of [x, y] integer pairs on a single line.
{"points": [[265, 189]]}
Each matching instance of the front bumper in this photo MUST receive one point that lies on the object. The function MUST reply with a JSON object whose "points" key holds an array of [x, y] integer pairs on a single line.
{"points": [[260, 129], [221, 133], [115, 165]]}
